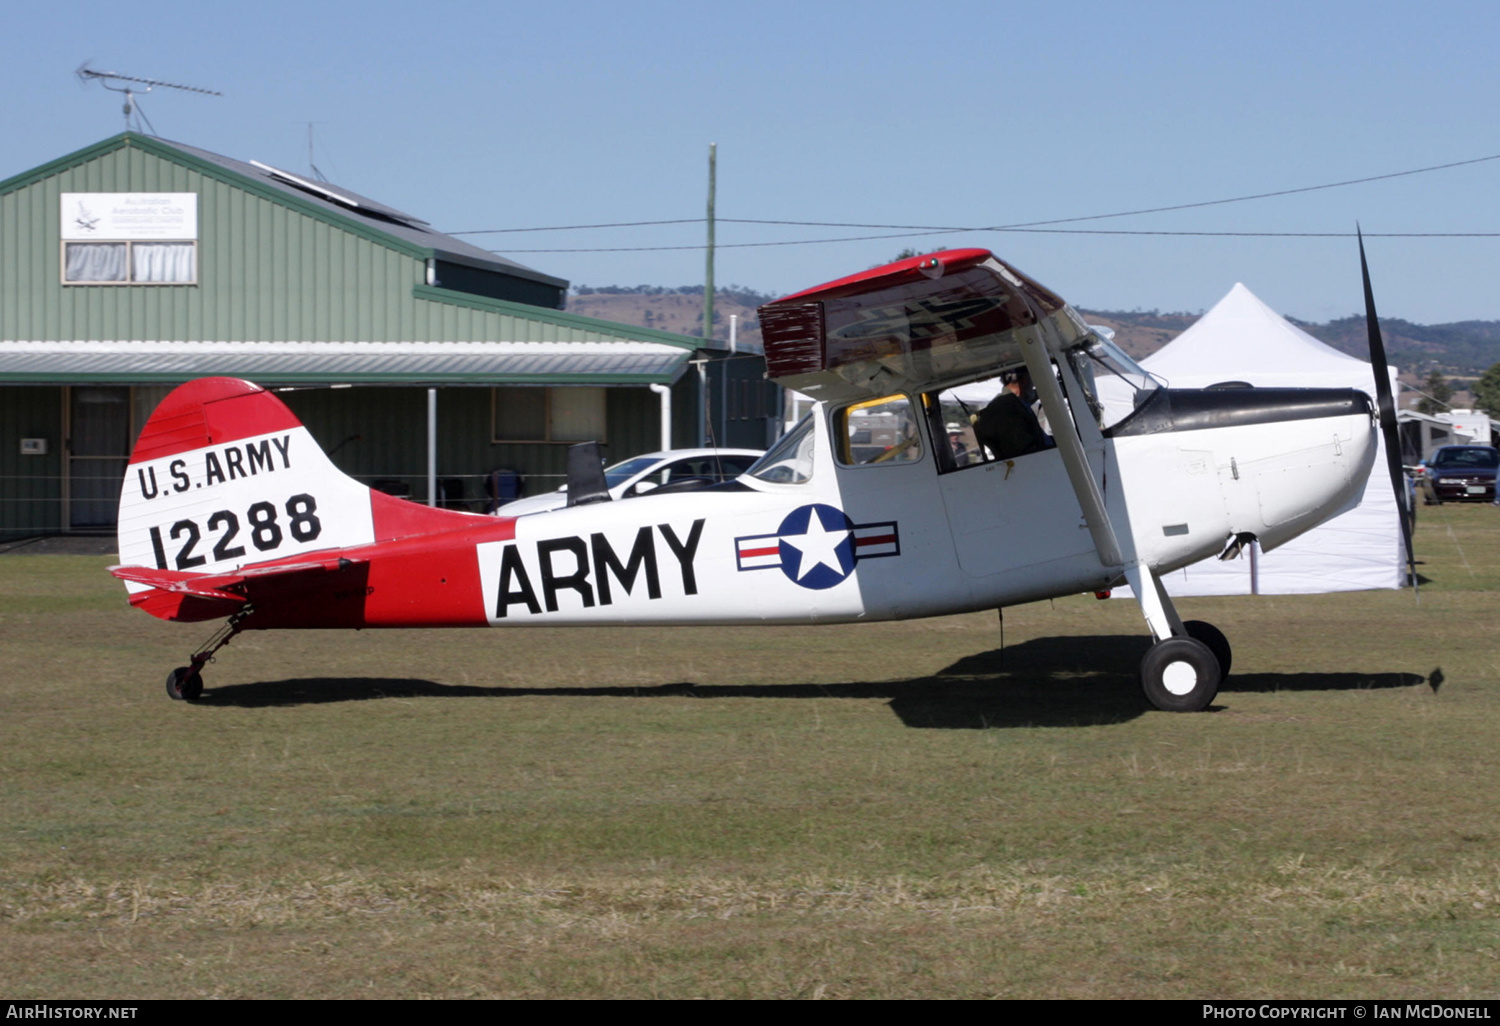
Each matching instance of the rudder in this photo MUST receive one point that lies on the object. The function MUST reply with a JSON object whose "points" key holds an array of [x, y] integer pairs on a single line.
{"points": [[223, 476]]}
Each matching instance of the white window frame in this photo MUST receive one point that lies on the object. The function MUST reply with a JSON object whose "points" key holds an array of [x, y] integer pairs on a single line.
{"points": [[62, 258]]}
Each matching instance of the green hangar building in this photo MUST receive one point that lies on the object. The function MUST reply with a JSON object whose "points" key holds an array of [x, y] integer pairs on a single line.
{"points": [[423, 364]]}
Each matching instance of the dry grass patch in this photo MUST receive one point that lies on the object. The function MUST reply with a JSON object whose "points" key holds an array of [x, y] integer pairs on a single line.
{"points": [[1322, 931], [1470, 891]]}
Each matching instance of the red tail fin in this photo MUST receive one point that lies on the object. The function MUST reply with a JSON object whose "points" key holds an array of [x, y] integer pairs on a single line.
{"points": [[224, 476]]}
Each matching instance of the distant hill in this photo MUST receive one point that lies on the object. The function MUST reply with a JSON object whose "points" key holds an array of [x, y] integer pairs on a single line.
{"points": [[1461, 350], [678, 310]]}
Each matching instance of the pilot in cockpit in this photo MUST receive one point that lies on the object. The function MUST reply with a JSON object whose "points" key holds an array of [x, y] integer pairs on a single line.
{"points": [[1008, 427]]}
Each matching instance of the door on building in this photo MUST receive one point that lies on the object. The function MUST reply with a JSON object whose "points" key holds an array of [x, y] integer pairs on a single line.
{"points": [[103, 423]]}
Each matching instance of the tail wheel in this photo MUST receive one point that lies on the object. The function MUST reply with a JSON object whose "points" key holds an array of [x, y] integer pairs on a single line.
{"points": [[184, 684], [1180, 675], [1214, 638]]}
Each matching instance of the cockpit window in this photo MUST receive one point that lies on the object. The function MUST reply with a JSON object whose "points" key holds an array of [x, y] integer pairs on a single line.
{"points": [[878, 431], [790, 460], [982, 421]]}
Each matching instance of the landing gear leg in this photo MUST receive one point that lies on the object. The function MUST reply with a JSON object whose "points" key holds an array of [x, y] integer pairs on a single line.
{"points": [[186, 682], [1182, 671]]}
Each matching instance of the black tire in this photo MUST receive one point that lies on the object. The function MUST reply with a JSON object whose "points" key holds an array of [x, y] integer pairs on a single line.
{"points": [[1180, 675], [184, 684], [1211, 636]]}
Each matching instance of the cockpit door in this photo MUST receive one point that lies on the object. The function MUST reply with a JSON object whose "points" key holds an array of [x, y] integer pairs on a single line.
{"points": [[1009, 514]]}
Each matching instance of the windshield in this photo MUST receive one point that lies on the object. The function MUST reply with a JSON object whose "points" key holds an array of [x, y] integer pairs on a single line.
{"points": [[622, 472], [1476, 458], [1116, 382], [790, 460]]}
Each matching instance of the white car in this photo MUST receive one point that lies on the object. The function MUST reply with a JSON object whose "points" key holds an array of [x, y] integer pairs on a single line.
{"points": [[641, 474]]}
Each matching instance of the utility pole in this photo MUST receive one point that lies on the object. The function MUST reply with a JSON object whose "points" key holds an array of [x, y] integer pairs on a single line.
{"points": [[708, 280]]}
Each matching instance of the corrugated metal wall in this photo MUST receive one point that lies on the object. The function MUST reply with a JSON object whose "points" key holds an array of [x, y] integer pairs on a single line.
{"points": [[743, 401]]}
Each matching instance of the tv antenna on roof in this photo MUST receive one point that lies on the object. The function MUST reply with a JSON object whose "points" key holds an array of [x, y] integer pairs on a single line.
{"points": [[132, 105]]}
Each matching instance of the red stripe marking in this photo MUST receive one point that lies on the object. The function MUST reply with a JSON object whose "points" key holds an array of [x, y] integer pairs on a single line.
{"points": [[210, 411], [878, 539], [747, 553], [888, 275]]}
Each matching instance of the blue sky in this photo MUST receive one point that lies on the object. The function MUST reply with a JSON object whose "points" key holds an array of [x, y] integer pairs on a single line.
{"points": [[501, 115]]}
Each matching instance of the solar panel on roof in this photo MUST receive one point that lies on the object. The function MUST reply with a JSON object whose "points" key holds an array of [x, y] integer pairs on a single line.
{"points": [[363, 205]]}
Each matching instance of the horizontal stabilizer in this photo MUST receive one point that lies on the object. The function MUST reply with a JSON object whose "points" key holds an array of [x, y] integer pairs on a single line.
{"points": [[211, 586], [182, 582]]}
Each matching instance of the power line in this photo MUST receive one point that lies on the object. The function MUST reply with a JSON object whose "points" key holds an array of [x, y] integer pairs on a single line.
{"points": [[1032, 231], [575, 227], [1148, 210], [916, 231], [1264, 235]]}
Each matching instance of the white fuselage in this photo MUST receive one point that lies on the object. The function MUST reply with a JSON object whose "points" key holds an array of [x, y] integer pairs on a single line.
{"points": [[899, 539]]}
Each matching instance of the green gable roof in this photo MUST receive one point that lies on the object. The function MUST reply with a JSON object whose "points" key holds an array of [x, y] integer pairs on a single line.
{"points": [[293, 286], [368, 219]]}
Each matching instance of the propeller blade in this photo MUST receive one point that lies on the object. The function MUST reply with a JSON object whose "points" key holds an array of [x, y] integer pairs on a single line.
{"points": [[1387, 411]]}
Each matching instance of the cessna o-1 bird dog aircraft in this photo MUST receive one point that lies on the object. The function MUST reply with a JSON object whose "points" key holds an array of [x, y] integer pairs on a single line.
{"points": [[230, 508]]}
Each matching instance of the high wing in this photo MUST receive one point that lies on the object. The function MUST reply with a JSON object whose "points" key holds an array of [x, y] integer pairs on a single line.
{"points": [[914, 326]]}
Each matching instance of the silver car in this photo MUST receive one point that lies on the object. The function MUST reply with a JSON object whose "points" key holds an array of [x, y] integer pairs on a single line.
{"points": [[641, 474]]}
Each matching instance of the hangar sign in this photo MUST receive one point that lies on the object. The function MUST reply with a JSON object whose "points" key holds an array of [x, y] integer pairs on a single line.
{"points": [[129, 215]]}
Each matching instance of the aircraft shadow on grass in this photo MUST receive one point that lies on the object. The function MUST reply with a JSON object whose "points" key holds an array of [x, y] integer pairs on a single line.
{"points": [[1048, 682]]}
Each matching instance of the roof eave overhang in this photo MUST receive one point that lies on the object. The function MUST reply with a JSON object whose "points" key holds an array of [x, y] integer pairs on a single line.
{"points": [[558, 318], [512, 270]]}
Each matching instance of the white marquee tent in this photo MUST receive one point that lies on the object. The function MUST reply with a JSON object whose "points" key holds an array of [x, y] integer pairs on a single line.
{"points": [[1243, 339]]}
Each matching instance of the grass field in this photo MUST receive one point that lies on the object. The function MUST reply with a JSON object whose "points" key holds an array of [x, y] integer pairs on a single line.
{"points": [[892, 810]]}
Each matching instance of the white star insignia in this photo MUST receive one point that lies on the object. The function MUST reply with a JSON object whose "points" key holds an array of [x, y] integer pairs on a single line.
{"points": [[818, 546]]}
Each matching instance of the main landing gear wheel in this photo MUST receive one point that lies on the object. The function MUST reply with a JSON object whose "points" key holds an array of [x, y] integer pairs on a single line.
{"points": [[1215, 640], [1180, 674], [184, 684]]}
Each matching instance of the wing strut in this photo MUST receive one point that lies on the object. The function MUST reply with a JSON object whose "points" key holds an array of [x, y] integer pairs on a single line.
{"points": [[1156, 605], [1070, 445]]}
